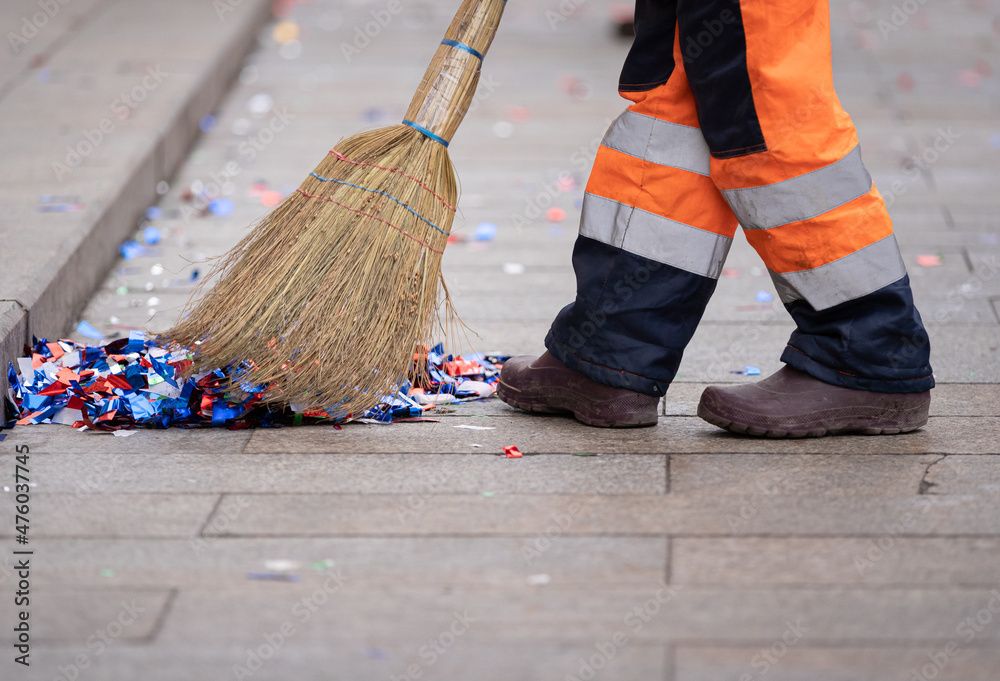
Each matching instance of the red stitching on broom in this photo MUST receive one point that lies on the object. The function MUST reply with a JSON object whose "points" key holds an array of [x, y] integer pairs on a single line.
{"points": [[373, 217], [398, 171]]}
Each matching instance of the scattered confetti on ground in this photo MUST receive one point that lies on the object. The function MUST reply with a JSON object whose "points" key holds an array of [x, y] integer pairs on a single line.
{"points": [[59, 204], [555, 214], [135, 383]]}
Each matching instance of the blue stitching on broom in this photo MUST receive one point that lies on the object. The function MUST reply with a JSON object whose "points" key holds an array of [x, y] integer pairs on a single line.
{"points": [[464, 47], [380, 193], [427, 133]]}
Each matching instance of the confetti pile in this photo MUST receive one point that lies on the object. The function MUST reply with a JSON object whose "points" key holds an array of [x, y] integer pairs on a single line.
{"points": [[134, 383]]}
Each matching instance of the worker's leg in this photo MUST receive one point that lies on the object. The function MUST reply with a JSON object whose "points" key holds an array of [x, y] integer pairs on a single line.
{"points": [[655, 230], [786, 157]]}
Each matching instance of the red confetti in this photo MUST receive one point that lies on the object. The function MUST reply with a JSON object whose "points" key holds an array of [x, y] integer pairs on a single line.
{"points": [[512, 452], [462, 367]]}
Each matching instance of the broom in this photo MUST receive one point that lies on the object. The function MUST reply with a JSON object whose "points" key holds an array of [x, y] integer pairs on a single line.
{"points": [[327, 297]]}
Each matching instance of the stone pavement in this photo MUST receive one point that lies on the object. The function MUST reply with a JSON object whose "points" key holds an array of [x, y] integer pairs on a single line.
{"points": [[414, 551]]}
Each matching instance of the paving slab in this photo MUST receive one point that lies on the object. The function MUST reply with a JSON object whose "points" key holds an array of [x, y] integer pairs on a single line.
{"points": [[374, 561], [766, 474], [121, 515], [675, 514], [868, 561], [798, 662], [964, 475], [557, 434], [65, 615], [56, 440], [551, 613], [35, 33], [207, 472], [373, 658]]}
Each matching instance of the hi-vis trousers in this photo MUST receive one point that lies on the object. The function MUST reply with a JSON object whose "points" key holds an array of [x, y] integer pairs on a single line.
{"points": [[734, 120]]}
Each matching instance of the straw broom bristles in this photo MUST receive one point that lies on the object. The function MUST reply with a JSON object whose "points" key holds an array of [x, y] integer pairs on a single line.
{"points": [[328, 296]]}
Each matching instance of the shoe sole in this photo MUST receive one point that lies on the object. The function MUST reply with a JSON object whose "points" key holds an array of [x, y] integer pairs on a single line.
{"points": [[537, 405], [820, 431]]}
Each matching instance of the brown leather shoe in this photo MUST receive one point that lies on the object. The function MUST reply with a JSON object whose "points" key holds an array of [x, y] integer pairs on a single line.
{"points": [[547, 386], [790, 403]]}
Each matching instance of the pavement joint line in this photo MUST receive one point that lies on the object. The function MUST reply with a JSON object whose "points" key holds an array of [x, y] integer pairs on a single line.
{"points": [[668, 564], [210, 516], [847, 643], [669, 662], [832, 453], [924, 487], [161, 617], [500, 535]]}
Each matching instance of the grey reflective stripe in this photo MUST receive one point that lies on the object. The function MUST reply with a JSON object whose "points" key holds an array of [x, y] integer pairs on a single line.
{"points": [[653, 236], [659, 142], [802, 197], [851, 277]]}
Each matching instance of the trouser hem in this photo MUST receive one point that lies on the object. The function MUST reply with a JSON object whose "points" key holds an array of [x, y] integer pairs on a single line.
{"points": [[797, 359], [600, 373]]}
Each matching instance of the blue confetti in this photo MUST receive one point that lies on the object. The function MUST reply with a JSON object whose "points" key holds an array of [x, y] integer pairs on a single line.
{"points": [[485, 231], [207, 123], [131, 249], [764, 296], [88, 330], [151, 235], [220, 207]]}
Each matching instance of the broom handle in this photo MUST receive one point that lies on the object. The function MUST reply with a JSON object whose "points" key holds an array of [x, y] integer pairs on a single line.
{"points": [[449, 84]]}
